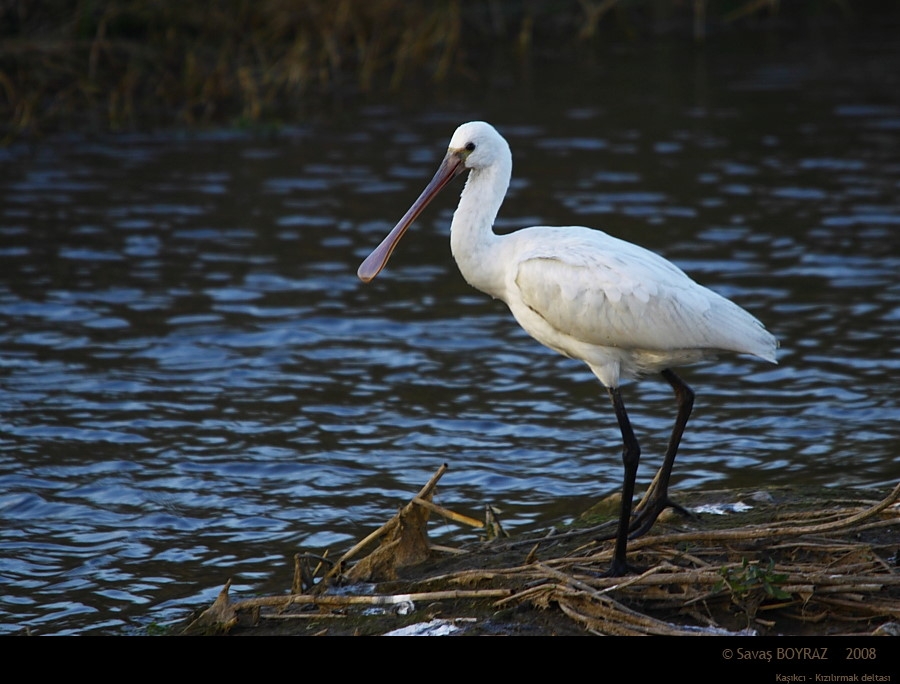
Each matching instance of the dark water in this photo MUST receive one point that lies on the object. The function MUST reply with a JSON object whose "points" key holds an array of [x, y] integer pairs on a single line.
{"points": [[195, 386]]}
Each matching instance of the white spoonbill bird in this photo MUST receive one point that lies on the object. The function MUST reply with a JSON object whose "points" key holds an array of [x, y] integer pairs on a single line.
{"points": [[620, 308]]}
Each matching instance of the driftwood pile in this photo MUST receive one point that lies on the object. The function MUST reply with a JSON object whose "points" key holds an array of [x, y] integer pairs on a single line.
{"points": [[832, 570]]}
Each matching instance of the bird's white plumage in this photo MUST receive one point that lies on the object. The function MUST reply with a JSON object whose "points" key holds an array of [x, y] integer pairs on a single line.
{"points": [[618, 307]]}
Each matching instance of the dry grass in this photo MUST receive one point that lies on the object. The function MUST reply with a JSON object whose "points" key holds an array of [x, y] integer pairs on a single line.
{"points": [[129, 63], [830, 568], [195, 63]]}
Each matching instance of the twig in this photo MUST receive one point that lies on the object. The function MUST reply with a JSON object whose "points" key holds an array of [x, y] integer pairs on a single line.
{"points": [[440, 510], [368, 600]]}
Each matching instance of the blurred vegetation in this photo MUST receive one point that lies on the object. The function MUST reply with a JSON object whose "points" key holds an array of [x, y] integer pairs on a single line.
{"points": [[134, 63]]}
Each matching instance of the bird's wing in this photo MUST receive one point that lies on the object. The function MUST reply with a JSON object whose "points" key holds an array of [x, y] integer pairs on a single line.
{"points": [[604, 291]]}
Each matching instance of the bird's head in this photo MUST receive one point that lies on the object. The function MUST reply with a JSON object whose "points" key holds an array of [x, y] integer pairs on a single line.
{"points": [[475, 145]]}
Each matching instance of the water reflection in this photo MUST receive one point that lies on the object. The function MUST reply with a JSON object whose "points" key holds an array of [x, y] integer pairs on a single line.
{"points": [[195, 386]]}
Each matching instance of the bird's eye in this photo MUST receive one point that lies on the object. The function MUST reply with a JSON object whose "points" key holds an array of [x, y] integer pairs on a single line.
{"points": [[470, 146]]}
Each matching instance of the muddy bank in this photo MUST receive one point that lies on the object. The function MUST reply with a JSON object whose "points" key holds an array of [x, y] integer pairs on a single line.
{"points": [[785, 561]]}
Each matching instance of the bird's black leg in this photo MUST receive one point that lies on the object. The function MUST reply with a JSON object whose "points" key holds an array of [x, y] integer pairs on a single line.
{"points": [[631, 454], [657, 498]]}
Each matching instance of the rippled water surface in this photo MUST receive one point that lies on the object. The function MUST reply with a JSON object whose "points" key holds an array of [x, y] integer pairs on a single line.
{"points": [[195, 385]]}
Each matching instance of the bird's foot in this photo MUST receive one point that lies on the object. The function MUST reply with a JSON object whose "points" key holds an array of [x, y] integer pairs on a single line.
{"points": [[647, 514], [621, 569]]}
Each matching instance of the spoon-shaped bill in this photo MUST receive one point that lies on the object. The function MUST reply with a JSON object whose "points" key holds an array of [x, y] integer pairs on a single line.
{"points": [[449, 168]]}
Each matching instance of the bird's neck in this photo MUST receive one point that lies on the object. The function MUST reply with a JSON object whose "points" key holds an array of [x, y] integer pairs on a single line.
{"points": [[472, 239]]}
